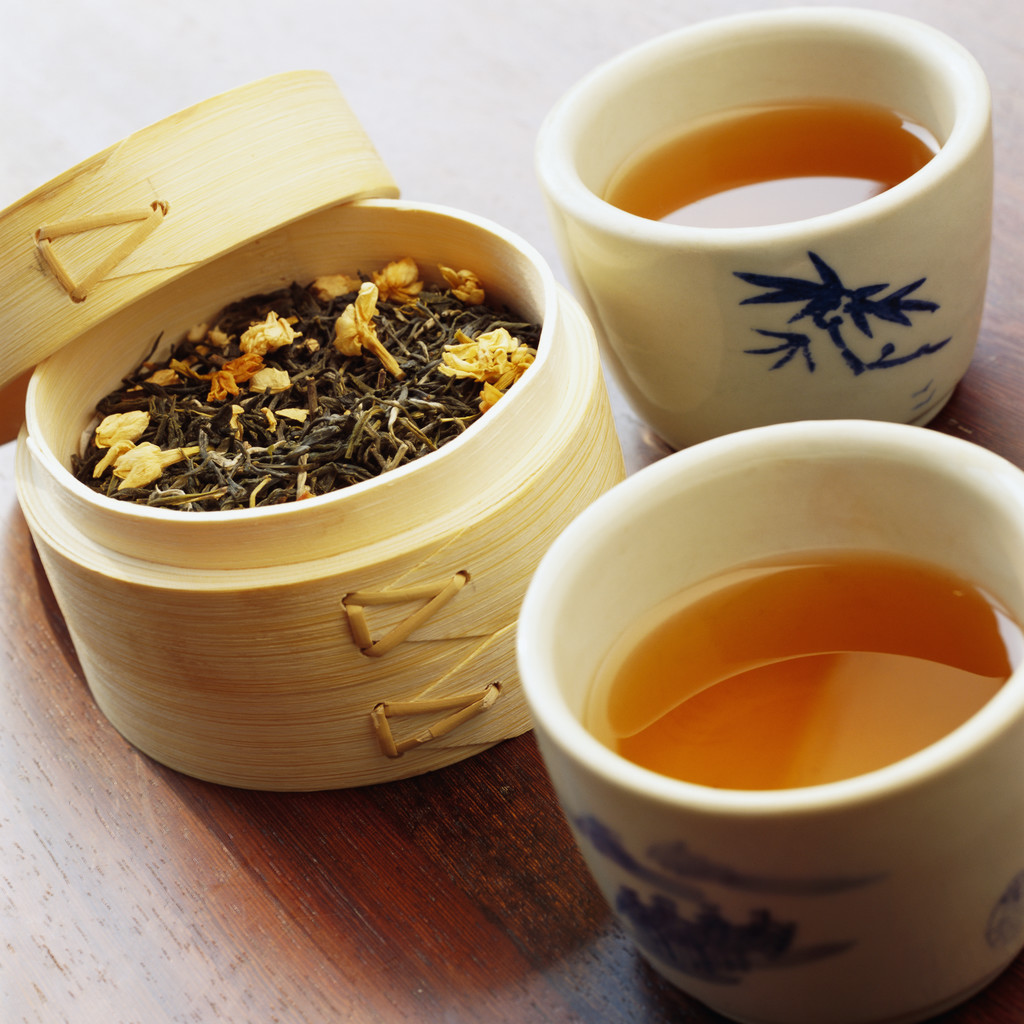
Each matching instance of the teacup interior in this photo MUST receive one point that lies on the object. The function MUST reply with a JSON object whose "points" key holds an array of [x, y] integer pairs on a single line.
{"points": [[652, 92], [765, 493]]}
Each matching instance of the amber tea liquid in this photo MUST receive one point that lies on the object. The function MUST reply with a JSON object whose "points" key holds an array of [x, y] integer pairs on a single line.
{"points": [[770, 165], [785, 675]]}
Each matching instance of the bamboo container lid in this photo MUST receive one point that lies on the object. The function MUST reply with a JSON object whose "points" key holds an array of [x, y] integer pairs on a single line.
{"points": [[170, 198], [352, 638]]}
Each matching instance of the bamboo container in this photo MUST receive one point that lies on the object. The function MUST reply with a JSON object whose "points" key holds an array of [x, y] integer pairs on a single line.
{"points": [[349, 639]]}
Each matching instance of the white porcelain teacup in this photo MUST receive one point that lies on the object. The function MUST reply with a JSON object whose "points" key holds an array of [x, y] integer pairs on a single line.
{"points": [[871, 311], [891, 894]]}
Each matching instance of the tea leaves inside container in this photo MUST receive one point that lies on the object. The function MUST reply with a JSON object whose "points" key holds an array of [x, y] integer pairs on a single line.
{"points": [[235, 429]]}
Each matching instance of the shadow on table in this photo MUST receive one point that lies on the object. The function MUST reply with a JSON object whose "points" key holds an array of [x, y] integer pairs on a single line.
{"points": [[459, 894]]}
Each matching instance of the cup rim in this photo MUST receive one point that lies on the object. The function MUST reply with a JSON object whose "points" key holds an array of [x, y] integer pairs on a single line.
{"points": [[997, 479], [559, 132]]}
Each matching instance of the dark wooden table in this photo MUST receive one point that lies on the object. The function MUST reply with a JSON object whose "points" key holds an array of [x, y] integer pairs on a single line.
{"points": [[130, 894]]}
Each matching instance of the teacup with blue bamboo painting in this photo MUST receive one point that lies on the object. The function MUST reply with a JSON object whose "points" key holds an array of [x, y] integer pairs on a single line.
{"points": [[870, 311], [883, 897]]}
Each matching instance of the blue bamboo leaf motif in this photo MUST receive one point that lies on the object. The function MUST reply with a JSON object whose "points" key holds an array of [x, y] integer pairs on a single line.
{"points": [[792, 344], [830, 305]]}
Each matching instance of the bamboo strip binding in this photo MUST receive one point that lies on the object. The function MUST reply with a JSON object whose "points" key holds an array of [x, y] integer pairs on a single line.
{"points": [[148, 219], [466, 706], [439, 595]]}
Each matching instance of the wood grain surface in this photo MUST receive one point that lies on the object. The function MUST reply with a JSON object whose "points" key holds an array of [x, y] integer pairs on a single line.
{"points": [[130, 894]]}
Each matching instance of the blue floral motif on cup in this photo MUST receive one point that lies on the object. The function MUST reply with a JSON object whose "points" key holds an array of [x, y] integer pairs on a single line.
{"points": [[835, 310], [1006, 921], [681, 926]]}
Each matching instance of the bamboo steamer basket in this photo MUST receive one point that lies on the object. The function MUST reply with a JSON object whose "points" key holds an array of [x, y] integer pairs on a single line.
{"points": [[349, 639]]}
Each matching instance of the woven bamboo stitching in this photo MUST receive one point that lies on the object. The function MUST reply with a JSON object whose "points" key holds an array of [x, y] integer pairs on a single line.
{"points": [[436, 595], [147, 218], [466, 706]]}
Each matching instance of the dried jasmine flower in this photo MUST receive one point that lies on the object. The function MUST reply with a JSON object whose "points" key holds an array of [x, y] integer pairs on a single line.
{"points": [[226, 380], [113, 453], [218, 338], [144, 463], [489, 395], [494, 358], [399, 281], [267, 336], [121, 426], [465, 285], [355, 329]]}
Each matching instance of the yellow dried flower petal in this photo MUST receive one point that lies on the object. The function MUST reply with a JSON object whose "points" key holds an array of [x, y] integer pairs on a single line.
{"points": [[270, 379], [464, 285], [218, 338], [222, 384], [520, 359], [121, 426], [355, 325], [233, 425], [225, 381], [399, 281], [144, 463], [165, 378], [197, 332], [489, 395], [244, 366], [114, 452], [355, 330], [298, 415], [268, 336], [496, 357], [184, 368], [330, 286]]}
